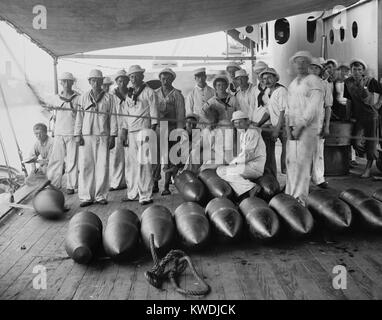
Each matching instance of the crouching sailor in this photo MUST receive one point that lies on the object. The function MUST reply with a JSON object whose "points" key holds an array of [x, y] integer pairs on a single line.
{"points": [[95, 131], [249, 164], [142, 114], [65, 148]]}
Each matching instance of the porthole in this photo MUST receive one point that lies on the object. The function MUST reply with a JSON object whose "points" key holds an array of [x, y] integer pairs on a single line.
{"points": [[342, 34], [311, 27], [248, 29], [282, 31], [354, 29], [331, 37]]}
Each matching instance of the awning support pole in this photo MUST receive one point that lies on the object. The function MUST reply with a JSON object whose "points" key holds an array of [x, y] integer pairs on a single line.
{"points": [[55, 62], [252, 61]]}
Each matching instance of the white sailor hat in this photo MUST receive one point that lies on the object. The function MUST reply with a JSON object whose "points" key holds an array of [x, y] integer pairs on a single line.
{"points": [[199, 70], [107, 80], [95, 73], [333, 61], [241, 73], [135, 68], [192, 115], [317, 62], [233, 64], [259, 66], [238, 115], [120, 73], [305, 54], [356, 60], [167, 70], [220, 77], [270, 71], [343, 65], [66, 76]]}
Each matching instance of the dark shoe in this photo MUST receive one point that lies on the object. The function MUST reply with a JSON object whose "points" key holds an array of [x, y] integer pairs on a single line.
{"points": [[166, 192], [69, 191], [144, 203], [156, 188], [126, 199], [118, 188], [103, 202], [112, 189], [323, 185], [353, 163], [86, 203]]}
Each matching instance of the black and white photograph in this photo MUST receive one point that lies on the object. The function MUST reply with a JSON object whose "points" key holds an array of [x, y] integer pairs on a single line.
{"points": [[197, 151]]}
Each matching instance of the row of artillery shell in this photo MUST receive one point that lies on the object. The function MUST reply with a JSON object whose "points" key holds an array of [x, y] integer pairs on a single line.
{"points": [[192, 222]]}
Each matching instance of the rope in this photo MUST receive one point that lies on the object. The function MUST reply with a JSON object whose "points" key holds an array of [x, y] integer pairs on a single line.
{"points": [[158, 274], [11, 178], [252, 125]]}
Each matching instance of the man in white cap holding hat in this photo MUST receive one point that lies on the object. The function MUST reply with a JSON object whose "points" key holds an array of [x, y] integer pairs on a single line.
{"points": [[95, 130], [170, 106], [318, 170], [142, 115], [200, 94], [224, 102], [119, 152], [302, 117], [231, 68], [276, 103], [65, 148], [107, 82], [359, 90], [249, 164]]}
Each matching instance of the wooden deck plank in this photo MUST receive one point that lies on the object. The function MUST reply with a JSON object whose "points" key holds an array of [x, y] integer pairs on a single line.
{"points": [[71, 282], [123, 282]]}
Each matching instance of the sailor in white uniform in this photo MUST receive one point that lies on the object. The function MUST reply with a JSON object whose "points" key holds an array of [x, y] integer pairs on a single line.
{"points": [[141, 108], [65, 148], [302, 117], [202, 92], [95, 130]]}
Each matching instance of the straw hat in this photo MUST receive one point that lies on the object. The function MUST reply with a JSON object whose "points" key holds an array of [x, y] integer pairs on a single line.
{"points": [[270, 71], [241, 73], [134, 69], [95, 73], [107, 80], [168, 70], [66, 76], [305, 54], [199, 70], [239, 115], [220, 77], [356, 60], [120, 73]]}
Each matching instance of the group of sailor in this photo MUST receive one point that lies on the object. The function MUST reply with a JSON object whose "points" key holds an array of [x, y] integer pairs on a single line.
{"points": [[99, 135]]}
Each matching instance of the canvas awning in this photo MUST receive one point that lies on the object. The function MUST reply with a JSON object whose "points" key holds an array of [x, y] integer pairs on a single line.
{"points": [[75, 26]]}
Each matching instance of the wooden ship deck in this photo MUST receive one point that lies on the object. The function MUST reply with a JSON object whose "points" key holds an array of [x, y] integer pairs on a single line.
{"points": [[286, 269]]}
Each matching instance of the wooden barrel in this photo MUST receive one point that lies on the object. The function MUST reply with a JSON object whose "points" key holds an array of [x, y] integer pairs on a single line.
{"points": [[340, 132], [336, 160]]}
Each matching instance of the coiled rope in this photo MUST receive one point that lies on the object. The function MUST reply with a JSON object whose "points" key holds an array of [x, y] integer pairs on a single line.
{"points": [[158, 273]]}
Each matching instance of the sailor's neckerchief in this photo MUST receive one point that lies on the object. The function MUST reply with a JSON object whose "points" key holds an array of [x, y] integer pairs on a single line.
{"points": [[70, 100], [94, 100], [225, 101], [260, 102], [119, 95], [134, 95]]}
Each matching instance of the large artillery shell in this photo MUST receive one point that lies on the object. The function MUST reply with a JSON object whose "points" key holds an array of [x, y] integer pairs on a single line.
{"points": [[49, 203], [262, 221], [192, 224], [369, 209], [157, 220], [121, 234], [189, 186], [269, 187], [325, 205], [225, 218], [294, 214], [84, 236], [217, 187]]}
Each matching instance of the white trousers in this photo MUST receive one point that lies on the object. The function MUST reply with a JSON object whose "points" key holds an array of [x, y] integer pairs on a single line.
{"points": [[318, 169], [299, 159], [64, 150], [237, 175], [139, 177], [117, 165], [93, 182]]}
